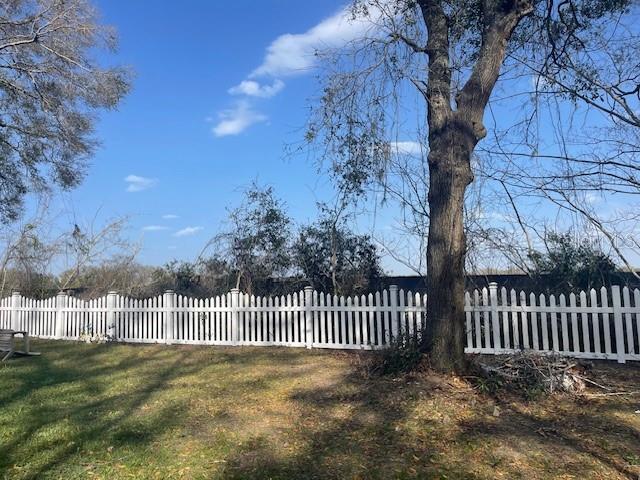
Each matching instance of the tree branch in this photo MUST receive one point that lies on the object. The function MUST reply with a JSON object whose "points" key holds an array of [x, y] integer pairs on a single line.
{"points": [[500, 19], [439, 78]]}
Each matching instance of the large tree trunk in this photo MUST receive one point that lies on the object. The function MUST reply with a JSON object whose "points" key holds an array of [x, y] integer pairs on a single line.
{"points": [[450, 174], [453, 134]]}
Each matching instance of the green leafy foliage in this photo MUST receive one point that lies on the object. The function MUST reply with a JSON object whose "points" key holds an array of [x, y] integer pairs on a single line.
{"points": [[208, 277], [256, 241], [334, 259], [403, 355], [569, 264], [51, 87]]}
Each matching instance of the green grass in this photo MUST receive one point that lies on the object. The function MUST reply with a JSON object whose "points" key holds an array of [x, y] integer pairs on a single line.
{"points": [[146, 412]]}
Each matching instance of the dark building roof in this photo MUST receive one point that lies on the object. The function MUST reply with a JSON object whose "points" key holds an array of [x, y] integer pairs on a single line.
{"points": [[524, 282]]}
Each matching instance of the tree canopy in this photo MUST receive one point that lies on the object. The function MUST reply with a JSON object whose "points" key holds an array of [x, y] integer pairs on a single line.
{"points": [[255, 242], [506, 99], [51, 87], [334, 259], [569, 264]]}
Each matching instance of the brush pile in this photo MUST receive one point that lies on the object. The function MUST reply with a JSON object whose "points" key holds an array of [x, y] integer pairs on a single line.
{"points": [[532, 374]]}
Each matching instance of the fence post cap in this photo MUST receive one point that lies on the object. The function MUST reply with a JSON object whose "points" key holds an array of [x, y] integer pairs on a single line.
{"points": [[308, 289], [493, 284], [393, 287], [61, 293], [112, 292], [169, 291], [235, 290], [15, 294]]}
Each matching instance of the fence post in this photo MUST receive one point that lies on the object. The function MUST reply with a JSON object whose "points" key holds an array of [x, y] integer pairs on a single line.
{"points": [[617, 321], [235, 318], [393, 300], [16, 303], [493, 301], [61, 315], [168, 317], [111, 316], [308, 319]]}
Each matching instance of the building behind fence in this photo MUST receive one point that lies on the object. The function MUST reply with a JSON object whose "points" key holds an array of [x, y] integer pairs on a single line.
{"points": [[602, 324]]}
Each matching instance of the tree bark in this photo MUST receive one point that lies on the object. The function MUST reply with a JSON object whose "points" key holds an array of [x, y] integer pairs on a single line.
{"points": [[450, 174], [453, 135]]}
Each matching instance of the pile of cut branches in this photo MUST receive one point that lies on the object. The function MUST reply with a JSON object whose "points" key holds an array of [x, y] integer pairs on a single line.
{"points": [[531, 374]]}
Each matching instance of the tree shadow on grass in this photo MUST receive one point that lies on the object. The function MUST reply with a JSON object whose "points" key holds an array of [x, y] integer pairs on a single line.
{"points": [[322, 423], [590, 441], [61, 364], [69, 409], [355, 428], [360, 428], [77, 398]]}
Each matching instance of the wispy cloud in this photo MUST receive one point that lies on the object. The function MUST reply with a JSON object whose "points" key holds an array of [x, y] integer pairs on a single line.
{"points": [[154, 228], [188, 231], [237, 119], [251, 88], [169, 216], [406, 148], [593, 198], [290, 54], [136, 183]]}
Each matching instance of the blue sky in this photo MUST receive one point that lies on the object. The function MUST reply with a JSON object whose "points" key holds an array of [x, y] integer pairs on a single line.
{"points": [[184, 143], [220, 89]]}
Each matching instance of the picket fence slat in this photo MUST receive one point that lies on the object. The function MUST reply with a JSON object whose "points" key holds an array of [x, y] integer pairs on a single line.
{"points": [[469, 329], [592, 324], [636, 302]]}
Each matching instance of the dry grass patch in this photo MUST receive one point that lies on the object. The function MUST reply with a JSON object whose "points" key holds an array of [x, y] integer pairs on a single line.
{"points": [[145, 412]]}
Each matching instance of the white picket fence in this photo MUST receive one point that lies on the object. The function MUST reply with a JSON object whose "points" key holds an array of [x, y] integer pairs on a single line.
{"points": [[602, 324], [605, 326]]}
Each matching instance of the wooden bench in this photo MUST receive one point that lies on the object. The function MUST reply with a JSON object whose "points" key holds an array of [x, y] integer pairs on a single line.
{"points": [[8, 344]]}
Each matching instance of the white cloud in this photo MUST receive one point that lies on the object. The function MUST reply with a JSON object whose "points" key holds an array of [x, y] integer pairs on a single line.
{"points": [[540, 82], [237, 120], [137, 183], [291, 54], [593, 198], [169, 216], [154, 228], [252, 88], [498, 216], [406, 148], [188, 231]]}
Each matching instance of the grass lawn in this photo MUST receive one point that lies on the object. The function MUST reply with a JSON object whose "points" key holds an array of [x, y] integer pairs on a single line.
{"points": [[123, 411]]}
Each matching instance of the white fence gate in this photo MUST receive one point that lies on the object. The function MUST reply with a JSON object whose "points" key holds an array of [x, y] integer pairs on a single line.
{"points": [[605, 326]]}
